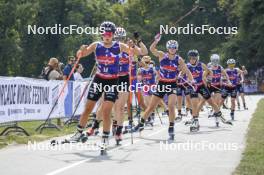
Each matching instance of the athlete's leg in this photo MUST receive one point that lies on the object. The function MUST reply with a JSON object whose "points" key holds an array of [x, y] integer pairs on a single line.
{"points": [[171, 106], [119, 107]]}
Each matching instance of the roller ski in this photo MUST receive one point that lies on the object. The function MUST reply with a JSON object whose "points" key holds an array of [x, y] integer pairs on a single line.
{"points": [[195, 127], [56, 142], [220, 115], [77, 137], [139, 127], [104, 145], [179, 117]]}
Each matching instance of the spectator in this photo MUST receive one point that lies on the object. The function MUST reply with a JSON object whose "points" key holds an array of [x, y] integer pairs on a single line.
{"points": [[52, 71], [77, 74], [68, 68]]}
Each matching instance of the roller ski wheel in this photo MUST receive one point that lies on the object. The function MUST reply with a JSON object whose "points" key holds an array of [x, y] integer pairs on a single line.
{"points": [[103, 146], [54, 142], [65, 141], [84, 139], [171, 137], [103, 149]]}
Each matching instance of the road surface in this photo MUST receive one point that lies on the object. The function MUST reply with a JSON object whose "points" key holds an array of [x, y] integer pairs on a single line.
{"points": [[210, 151]]}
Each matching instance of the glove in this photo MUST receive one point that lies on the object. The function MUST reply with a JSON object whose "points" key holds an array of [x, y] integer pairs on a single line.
{"points": [[136, 35]]}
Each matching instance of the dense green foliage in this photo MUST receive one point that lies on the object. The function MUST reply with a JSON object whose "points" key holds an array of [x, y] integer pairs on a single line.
{"points": [[22, 54]]}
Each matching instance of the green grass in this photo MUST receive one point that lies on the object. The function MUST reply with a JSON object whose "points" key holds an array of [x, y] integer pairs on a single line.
{"points": [[252, 162], [34, 136]]}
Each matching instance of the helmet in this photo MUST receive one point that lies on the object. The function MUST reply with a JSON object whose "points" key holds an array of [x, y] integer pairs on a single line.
{"points": [[231, 61], [172, 44], [215, 59], [193, 53], [146, 59], [108, 26], [120, 32]]}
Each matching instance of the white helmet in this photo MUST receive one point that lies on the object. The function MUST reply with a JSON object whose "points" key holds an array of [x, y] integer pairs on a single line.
{"points": [[172, 44], [120, 32], [231, 61], [215, 59]]}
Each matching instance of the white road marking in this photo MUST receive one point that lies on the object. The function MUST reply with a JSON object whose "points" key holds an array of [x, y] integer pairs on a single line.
{"points": [[85, 160]]}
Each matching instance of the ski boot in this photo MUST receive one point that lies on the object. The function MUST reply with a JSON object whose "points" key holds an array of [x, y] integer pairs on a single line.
{"points": [[171, 133], [216, 121], [118, 138], [165, 113], [195, 125], [78, 137], [188, 122], [245, 107], [179, 117], [232, 115], [139, 127], [238, 106], [149, 121]]}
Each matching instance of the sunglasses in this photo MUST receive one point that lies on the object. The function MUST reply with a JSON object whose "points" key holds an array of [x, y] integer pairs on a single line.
{"points": [[107, 34], [172, 47]]}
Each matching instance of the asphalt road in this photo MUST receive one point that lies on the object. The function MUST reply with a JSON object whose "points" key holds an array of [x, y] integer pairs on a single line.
{"points": [[210, 151]]}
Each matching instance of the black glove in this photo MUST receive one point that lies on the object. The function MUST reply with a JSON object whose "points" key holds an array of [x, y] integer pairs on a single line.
{"points": [[137, 37]]}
